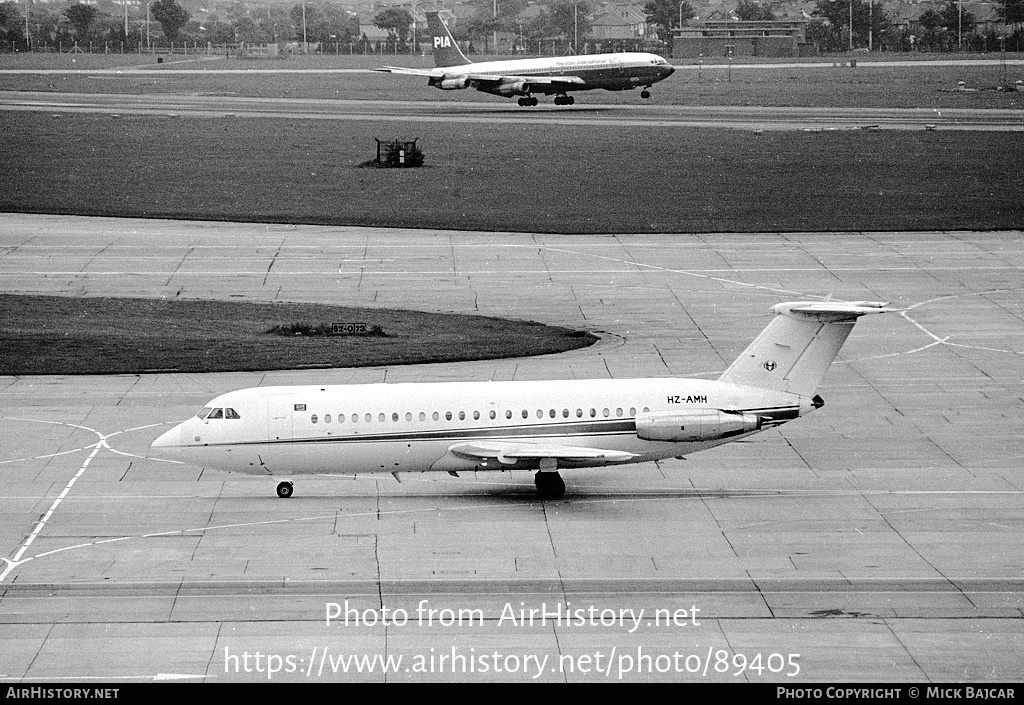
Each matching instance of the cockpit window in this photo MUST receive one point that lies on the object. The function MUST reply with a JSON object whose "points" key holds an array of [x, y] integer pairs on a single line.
{"points": [[216, 414], [231, 414], [204, 413]]}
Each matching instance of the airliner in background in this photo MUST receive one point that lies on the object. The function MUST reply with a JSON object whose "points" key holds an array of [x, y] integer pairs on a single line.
{"points": [[523, 77], [530, 426]]}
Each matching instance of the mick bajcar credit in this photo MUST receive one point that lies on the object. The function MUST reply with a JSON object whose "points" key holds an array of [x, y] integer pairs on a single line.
{"points": [[931, 692], [612, 662]]}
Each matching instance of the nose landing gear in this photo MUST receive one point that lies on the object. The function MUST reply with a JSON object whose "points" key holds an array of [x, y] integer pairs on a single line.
{"points": [[284, 490], [645, 93]]}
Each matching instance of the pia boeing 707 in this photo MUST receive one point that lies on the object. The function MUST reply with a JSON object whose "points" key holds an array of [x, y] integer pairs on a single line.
{"points": [[530, 426], [523, 78]]}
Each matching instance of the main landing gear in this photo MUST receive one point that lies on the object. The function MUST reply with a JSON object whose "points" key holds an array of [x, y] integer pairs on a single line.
{"points": [[645, 93], [529, 101], [284, 490], [549, 485]]}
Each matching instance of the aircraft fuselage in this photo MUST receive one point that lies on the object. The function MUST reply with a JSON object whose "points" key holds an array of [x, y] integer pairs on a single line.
{"points": [[423, 426]]}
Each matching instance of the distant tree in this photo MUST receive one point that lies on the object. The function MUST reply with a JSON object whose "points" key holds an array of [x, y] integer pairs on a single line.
{"points": [[476, 27], [931, 20], [12, 25], [397, 22], [570, 19], [1010, 11], [751, 10], [325, 22], [171, 16], [81, 18], [835, 27], [666, 14], [10, 17], [953, 20], [507, 19], [933, 30]]}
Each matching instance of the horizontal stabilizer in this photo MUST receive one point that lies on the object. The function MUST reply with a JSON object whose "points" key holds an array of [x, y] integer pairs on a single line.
{"points": [[839, 309]]}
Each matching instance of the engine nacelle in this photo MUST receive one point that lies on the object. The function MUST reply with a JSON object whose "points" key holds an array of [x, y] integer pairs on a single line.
{"points": [[693, 426], [514, 88], [452, 84]]}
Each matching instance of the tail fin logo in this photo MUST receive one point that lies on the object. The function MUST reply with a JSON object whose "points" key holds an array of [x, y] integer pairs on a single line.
{"points": [[442, 42]]}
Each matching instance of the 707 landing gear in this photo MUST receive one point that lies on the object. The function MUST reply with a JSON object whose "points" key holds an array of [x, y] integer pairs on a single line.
{"points": [[564, 100], [284, 490], [549, 485], [527, 101], [645, 93]]}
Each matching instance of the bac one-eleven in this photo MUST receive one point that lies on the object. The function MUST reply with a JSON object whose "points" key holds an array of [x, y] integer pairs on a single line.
{"points": [[534, 426]]}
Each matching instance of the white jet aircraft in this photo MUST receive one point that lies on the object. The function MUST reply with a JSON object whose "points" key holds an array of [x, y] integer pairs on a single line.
{"points": [[523, 77], [534, 426]]}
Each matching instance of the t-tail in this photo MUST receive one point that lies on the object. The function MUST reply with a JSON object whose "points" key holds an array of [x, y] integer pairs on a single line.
{"points": [[446, 49], [796, 349]]}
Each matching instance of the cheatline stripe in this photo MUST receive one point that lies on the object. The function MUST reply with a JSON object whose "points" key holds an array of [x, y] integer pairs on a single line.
{"points": [[612, 427]]}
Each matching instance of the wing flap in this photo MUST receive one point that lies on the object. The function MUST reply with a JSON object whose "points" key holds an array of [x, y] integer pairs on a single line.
{"points": [[510, 453]]}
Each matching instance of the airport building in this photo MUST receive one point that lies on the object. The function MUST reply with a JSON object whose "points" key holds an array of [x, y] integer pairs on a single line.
{"points": [[743, 38]]}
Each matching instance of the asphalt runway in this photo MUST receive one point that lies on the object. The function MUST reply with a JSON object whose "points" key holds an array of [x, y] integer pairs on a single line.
{"points": [[877, 539], [678, 116]]}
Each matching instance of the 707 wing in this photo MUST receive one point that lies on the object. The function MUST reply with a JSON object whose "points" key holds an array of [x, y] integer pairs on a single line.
{"points": [[505, 86]]}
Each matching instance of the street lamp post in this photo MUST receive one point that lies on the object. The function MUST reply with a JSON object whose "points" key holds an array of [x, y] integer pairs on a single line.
{"points": [[681, 3], [305, 46], [851, 25], [575, 31], [149, 44], [960, 25], [28, 33]]}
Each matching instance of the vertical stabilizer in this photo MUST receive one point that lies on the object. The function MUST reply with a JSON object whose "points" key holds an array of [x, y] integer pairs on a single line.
{"points": [[446, 49], [796, 349]]}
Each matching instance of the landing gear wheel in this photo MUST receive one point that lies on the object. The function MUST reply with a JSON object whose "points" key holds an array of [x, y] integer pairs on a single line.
{"points": [[284, 490], [645, 93], [527, 101], [549, 485], [564, 100]]}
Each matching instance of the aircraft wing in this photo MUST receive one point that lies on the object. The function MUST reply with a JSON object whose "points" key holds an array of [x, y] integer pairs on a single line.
{"points": [[432, 73], [486, 78], [509, 452]]}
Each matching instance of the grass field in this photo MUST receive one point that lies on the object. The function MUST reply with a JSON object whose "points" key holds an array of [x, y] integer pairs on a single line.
{"points": [[560, 179], [570, 179], [64, 335]]}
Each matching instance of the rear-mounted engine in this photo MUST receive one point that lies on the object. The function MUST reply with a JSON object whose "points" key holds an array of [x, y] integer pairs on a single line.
{"points": [[694, 426]]}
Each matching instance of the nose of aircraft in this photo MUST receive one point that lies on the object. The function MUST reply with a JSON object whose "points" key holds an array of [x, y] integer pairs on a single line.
{"points": [[667, 70], [169, 439]]}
